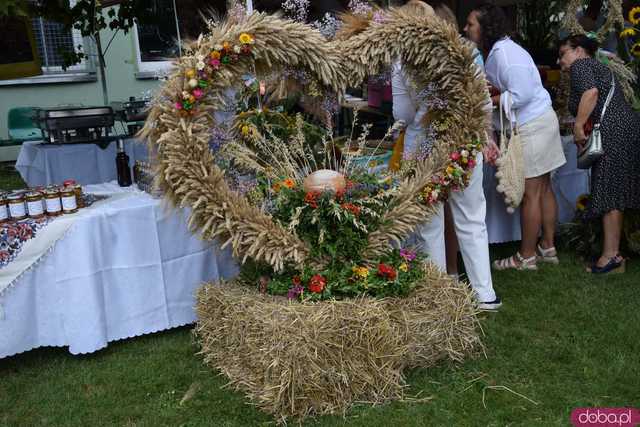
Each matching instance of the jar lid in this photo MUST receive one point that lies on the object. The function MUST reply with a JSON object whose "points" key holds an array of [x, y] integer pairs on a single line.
{"points": [[52, 191], [15, 196], [69, 182], [34, 194]]}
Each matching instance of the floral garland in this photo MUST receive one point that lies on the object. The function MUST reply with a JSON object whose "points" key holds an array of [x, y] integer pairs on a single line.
{"points": [[614, 19], [456, 175], [199, 78]]}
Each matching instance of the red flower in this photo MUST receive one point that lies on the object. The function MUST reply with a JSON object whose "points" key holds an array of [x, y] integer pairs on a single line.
{"points": [[317, 284], [311, 198], [471, 163], [387, 271], [349, 185], [296, 280], [455, 156], [351, 208], [340, 194]]}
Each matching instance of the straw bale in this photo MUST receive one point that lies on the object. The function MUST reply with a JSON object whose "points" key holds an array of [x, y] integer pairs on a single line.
{"points": [[296, 359]]}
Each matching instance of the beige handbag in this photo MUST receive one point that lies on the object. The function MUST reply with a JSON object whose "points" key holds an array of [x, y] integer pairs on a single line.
{"points": [[510, 166]]}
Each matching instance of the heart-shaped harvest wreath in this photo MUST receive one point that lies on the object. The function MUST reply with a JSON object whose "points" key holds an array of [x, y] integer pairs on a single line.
{"points": [[182, 117], [314, 358]]}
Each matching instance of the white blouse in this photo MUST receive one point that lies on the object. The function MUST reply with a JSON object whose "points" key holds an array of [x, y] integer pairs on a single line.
{"points": [[511, 69], [406, 108]]}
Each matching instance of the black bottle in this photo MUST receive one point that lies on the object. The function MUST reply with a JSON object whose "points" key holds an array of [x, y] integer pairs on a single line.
{"points": [[122, 166]]}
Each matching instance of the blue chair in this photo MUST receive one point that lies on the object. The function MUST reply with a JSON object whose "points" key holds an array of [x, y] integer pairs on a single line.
{"points": [[22, 126]]}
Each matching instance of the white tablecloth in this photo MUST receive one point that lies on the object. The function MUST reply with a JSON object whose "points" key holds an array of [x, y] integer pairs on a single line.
{"points": [[131, 267], [46, 164], [568, 183]]}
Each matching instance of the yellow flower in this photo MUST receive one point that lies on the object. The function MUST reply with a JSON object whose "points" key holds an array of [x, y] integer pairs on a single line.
{"points": [[289, 183], [403, 267], [226, 46], [246, 38], [635, 49], [190, 73], [276, 187], [581, 203], [450, 170], [245, 130], [215, 55], [629, 32], [633, 15], [361, 272]]}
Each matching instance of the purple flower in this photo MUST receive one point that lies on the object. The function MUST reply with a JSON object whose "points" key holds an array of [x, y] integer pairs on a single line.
{"points": [[295, 292], [407, 255], [328, 25], [359, 7], [218, 138], [296, 9]]}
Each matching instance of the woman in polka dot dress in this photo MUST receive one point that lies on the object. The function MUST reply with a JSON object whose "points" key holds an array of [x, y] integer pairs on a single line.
{"points": [[615, 177]]}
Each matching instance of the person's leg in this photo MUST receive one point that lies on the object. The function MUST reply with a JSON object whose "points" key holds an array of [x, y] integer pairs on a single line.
{"points": [[549, 214], [531, 215], [469, 210], [431, 236], [530, 223], [612, 224], [450, 241]]}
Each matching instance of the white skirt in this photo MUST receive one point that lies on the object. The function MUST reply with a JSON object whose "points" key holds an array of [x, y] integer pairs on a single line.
{"points": [[542, 145]]}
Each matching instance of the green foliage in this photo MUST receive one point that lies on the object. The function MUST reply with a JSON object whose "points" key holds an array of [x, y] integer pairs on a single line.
{"points": [[584, 234], [336, 225], [396, 274], [538, 22]]}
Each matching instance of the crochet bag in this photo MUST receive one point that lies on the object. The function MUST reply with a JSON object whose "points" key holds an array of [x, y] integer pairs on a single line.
{"points": [[510, 166]]}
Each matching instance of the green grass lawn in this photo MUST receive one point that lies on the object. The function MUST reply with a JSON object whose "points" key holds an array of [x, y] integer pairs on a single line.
{"points": [[563, 339]]}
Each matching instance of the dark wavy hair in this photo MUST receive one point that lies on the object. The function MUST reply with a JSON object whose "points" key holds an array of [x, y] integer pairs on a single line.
{"points": [[580, 40], [493, 25]]}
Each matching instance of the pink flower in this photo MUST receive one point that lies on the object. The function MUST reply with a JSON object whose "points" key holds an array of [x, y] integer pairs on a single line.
{"points": [[215, 63], [455, 156], [471, 163], [178, 105], [197, 93], [407, 254]]}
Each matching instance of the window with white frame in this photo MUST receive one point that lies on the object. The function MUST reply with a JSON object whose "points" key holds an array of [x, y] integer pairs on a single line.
{"points": [[167, 24], [52, 39]]}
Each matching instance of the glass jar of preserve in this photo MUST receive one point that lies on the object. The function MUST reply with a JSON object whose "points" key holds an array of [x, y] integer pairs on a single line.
{"points": [[68, 197], [52, 202], [34, 205], [17, 208], [4, 209], [78, 191]]}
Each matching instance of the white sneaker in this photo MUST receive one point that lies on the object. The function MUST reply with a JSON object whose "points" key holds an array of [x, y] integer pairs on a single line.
{"points": [[491, 305]]}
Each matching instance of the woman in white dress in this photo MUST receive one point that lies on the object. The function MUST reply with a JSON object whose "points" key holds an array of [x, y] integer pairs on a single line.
{"points": [[511, 70]]}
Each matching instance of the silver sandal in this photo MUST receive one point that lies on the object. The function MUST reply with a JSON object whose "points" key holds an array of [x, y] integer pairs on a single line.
{"points": [[515, 262], [549, 255]]}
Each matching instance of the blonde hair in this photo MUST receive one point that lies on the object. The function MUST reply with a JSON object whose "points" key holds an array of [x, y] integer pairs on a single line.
{"points": [[444, 12], [418, 7]]}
